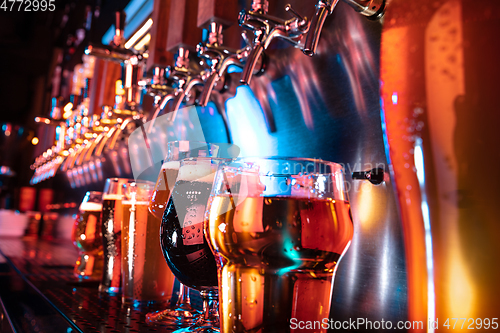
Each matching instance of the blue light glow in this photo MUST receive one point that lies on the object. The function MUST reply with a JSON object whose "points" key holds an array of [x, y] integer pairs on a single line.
{"points": [[248, 126], [395, 98]]}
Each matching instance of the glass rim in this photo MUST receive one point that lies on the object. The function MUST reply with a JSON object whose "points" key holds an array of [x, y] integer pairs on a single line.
{"points": [[336, 166], [94, 192], [118, 179]]}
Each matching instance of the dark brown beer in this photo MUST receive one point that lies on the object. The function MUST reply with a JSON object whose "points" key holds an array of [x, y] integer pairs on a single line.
{"points": [[111, 231], [283, 255], [183, 243], [87, 237]]}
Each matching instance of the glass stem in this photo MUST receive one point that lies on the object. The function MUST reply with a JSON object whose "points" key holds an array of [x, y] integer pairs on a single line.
{"points": [[210, 314], [183, 298]]}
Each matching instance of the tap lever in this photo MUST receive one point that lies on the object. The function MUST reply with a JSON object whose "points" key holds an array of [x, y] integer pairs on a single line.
{"points": [[292, 11], [372, 9], [265, 28], [375, 176]]}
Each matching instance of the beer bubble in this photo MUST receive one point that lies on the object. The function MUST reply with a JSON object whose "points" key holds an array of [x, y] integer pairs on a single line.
{"points": [[253, 278]]}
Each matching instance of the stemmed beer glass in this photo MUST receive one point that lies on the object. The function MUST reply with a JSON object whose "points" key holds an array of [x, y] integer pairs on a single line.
{"points": [[278, 228], [182, 313], [182, 237]]}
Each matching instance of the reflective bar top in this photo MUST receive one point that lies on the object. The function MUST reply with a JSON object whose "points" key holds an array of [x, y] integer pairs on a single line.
{"points": [[40, 293]]}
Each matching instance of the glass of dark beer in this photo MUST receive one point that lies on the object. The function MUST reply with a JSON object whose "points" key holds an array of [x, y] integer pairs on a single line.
{"points": [[87, 237], [278, 228], [182, 237], [111, 281], [182, 313]]}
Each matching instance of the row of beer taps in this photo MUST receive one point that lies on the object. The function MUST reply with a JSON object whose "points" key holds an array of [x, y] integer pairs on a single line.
{"points": [[191, 79]]}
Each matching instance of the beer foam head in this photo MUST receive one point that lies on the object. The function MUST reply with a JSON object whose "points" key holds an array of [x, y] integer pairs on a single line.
{"points": [[174, 165], [201, 172], [112, 196], [91, 206]]}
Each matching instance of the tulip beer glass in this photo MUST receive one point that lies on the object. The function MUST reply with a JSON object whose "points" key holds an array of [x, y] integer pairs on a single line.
{"points": [[182, 313], [278, 228], [182, 236]]}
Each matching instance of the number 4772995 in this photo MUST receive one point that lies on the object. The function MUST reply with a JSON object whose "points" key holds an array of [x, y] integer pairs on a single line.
{"points": [[28, 5], [471, 323]]}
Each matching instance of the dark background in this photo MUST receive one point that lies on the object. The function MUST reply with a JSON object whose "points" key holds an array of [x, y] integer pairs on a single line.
{"points": [[31, 46]]}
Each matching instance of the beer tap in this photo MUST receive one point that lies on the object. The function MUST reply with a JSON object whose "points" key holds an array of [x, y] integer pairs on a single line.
{"points": [[220, 57], [133, 63], [188, 75], [218, 53], [265, 28], [183, 36], [373, 9]]}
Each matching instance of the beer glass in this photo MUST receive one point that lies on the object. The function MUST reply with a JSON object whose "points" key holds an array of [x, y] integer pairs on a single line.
{"points": [[440, 120], [111, 231], [87, 238], [182, 237], [278, 228], [182, 312], [145, 275]]}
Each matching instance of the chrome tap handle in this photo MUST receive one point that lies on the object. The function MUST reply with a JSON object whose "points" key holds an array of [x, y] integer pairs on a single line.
{"points": [[323, 9], [288, 8], [373, 9], [265, 28]]}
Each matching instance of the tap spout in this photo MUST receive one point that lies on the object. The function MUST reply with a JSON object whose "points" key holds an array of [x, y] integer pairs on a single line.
{"points": [[255, 54], [323, 9], [208, 88], [181, 93], [159, 108], [218, 72]]}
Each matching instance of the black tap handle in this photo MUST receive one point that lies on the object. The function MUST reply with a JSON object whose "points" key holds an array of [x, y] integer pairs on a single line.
{"points": [[374, 176]]}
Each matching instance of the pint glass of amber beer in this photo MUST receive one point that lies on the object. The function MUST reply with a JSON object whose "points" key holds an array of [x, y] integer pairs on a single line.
{"points": [[278, 228], [111, 234], [145, 275], [87, 237]]}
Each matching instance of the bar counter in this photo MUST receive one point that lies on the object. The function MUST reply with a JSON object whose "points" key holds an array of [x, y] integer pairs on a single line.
{"points": [[39, 293]]}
